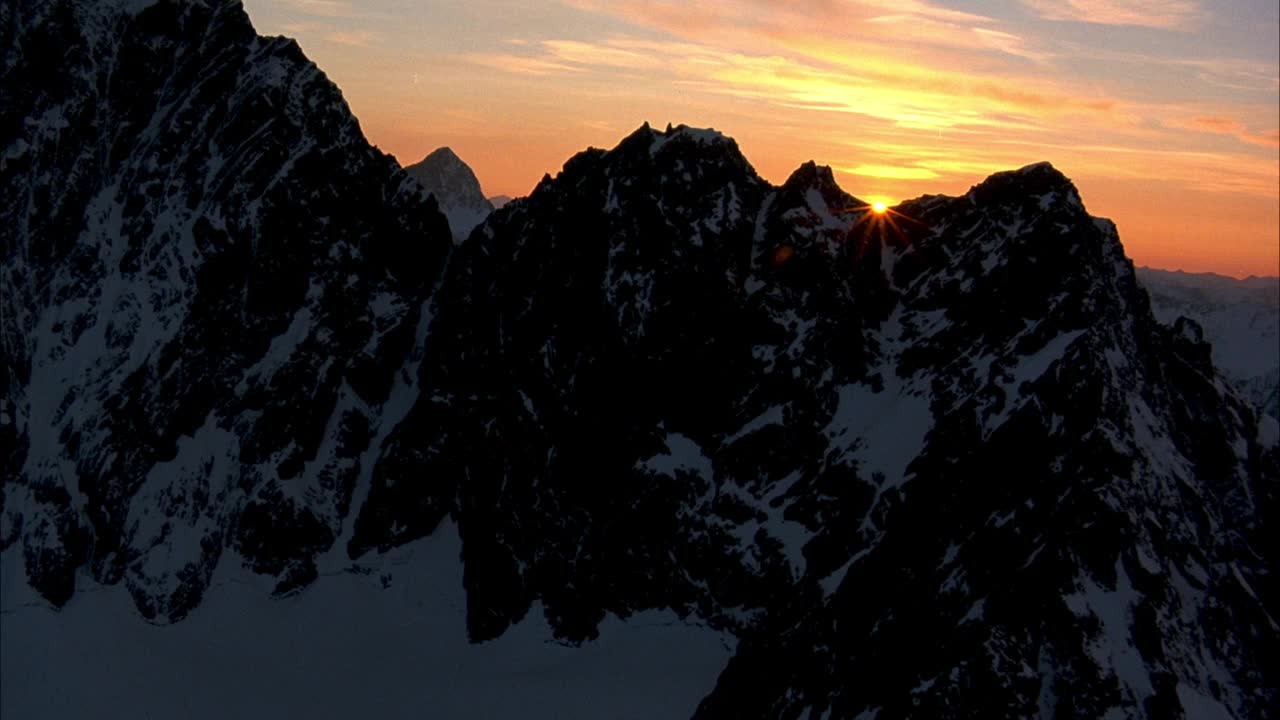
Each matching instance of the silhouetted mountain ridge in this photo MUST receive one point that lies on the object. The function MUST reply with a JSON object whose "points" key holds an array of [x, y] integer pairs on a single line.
{"points": [[943, 462]]}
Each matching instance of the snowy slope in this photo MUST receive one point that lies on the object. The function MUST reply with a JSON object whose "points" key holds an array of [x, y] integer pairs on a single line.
{"points": [[387, 643], [1241, 319]]}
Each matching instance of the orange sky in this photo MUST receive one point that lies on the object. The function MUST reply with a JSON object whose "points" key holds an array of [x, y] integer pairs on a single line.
{"points": [[1165, 113]]}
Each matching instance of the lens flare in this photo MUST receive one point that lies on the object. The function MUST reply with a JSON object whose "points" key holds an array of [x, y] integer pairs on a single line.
{"points": [[879, 208]]}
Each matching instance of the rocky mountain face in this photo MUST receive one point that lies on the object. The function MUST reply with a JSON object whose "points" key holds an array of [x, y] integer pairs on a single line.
{"points": [[1240, 319], [455, 187], [211, 287], [942, 462]]}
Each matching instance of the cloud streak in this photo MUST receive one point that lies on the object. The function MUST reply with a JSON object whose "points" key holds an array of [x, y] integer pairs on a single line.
{"points": [[330, 34], [882, 23], [828, 80], [322, 8], [1160, 14], [892, 172], [1228, 126]]}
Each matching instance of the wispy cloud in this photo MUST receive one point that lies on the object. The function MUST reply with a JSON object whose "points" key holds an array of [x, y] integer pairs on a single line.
{"points": [[1010, 44], [1160, 14], [891, 171], [328, 33], [522, 64], [884, 23], [612, 55], [1224, 72], [921, 9], [322, 8], [353, 38], [829, 79], [925, 107], [1228, 126]]}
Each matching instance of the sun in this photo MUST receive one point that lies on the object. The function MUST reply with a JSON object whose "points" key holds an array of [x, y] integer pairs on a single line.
{"points": [[879, 208]]}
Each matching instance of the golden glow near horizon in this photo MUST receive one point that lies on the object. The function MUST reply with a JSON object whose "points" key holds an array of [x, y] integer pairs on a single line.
{"points": [[900, 97], [878, 207]]}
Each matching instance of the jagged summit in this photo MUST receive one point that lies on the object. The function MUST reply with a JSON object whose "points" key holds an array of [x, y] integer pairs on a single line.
{"points": [[811, 174], [826, 192], [1039, 182], [451, 181], [680, 140], [683, 134]]}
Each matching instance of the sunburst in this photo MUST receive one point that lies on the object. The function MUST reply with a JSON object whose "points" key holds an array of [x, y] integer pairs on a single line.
{"points": [[879, 216]]}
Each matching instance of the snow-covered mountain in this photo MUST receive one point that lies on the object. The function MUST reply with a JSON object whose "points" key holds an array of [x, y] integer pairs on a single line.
{"points": [[455, 188], [212, 285], [940, 463], [1240, 318]]}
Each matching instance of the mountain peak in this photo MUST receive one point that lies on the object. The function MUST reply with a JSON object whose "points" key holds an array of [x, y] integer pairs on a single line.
{"points": [[442, 154], [677, 139], [811, 175], [1040, 181], [1043, 166], [455, 187], [685, 134]]}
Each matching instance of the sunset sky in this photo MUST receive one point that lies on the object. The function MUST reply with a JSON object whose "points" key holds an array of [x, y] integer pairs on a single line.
{"points": [[1165, 113]]}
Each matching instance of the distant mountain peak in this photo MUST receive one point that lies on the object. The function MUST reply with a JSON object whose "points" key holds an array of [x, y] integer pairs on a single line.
{"points": [[442, 152], [455, 187]]}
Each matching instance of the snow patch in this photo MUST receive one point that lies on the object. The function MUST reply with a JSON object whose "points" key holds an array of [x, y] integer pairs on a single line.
{"points": [[1113, 648], [682, 454], [1196, 704], [342, 648], [772, 416], [171, 525], [884, 430], [1030, 368], [706, 136], [1268, 431]]}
